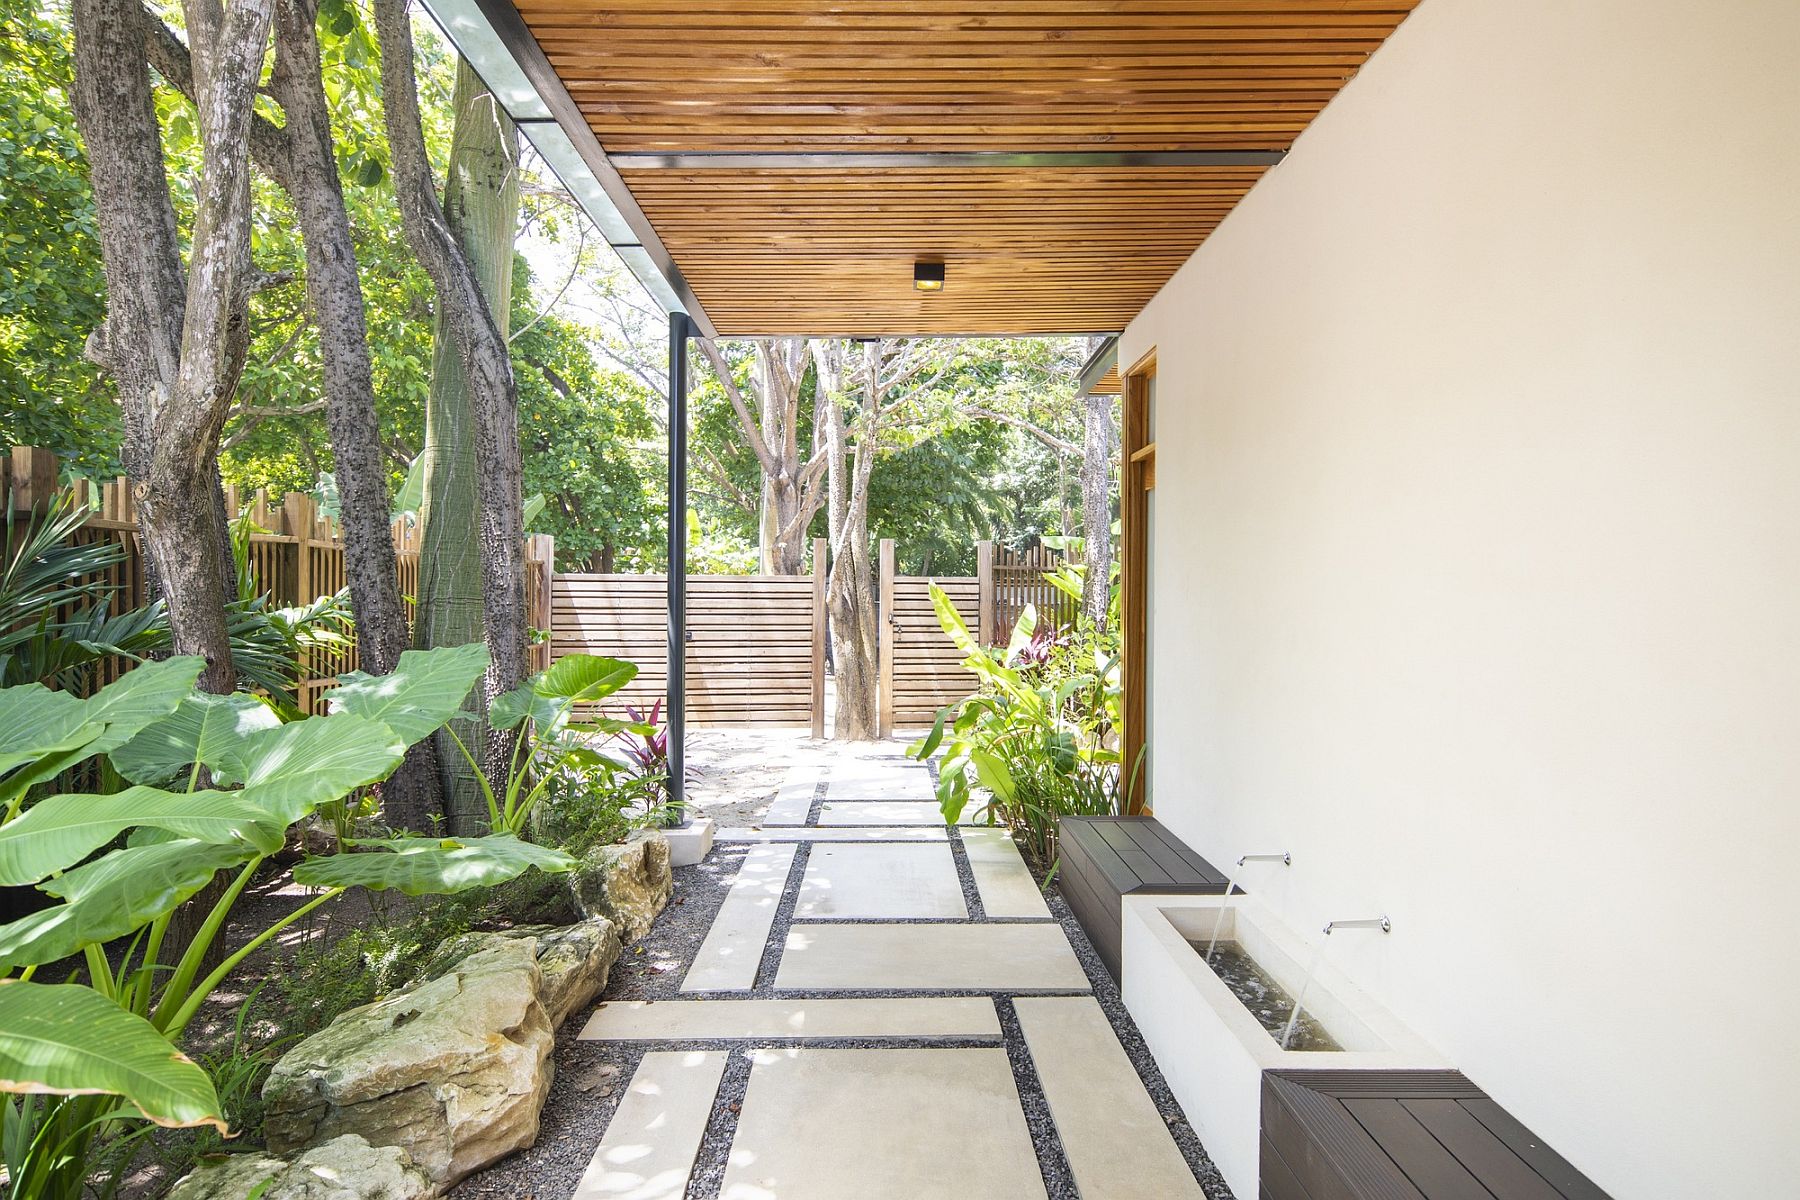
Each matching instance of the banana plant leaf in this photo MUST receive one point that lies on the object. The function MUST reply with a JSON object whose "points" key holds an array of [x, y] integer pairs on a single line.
{"points": [[113, 896], [66, 1040], [431, 866], [1022, 631], [59, 831], [425, 689], [204, 728]]}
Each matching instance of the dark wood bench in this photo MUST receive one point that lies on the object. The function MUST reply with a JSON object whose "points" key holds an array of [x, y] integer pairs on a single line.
{"points": [[1402, 1135], [1105, 858]]}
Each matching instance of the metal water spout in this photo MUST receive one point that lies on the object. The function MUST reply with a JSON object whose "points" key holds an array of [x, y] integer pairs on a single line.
{"points": [[1381, 923], [1281, 856]]}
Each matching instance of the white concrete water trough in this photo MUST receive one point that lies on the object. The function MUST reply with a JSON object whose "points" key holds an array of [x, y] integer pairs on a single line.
{"points": [[1212, 1046]]}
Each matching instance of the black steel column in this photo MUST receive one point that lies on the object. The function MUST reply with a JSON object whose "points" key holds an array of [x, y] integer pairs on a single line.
{"points": [[676, 707]]}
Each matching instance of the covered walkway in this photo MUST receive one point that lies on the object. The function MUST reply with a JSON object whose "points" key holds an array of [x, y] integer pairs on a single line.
{"points": [[884, 1007]]}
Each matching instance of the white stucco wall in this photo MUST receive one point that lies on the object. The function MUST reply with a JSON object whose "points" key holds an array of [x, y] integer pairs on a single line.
{"points": [[1478, 562]]}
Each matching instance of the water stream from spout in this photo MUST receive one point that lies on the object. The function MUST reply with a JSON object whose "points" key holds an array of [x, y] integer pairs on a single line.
{"points": [[1287, 1033], [1219, 921]]}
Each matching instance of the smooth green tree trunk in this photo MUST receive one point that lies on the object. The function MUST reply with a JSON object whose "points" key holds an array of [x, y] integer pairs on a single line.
{"points": [[481, 201]]}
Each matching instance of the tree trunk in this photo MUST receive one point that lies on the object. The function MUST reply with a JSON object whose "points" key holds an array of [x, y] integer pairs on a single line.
{"points": [[462, 254], [1096, 507], [175, 345], [140, 343], [310, 176], [789, 496], [175, 341], [850, 591]]}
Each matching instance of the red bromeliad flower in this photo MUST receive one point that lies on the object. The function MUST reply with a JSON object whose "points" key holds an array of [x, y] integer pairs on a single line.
{"points": [[651, 752], [1038, 650]]}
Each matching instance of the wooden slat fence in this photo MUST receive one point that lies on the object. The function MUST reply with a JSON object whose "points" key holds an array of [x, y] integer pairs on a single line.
{"points": [[296, 554], [1019, 580], [755, 643]]}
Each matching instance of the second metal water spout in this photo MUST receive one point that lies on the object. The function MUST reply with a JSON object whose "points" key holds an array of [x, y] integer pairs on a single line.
{"points": [[1381, 923], [1282, 857]]}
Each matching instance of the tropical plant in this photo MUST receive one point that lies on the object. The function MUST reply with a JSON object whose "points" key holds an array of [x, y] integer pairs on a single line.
{"points": [[647, 754], [56, 625], [1038, 738], [217, 779], [48, 573], [551, 740]]}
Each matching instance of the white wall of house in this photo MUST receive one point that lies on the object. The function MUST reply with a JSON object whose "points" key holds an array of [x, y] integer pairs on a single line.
{"points": [[1478, 562]]}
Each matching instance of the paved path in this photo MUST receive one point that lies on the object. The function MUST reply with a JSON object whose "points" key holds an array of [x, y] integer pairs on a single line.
{"points": [[880, 990]]}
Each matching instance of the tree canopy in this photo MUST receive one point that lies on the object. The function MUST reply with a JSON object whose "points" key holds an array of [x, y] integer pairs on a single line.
{"points": [[990, 450]]}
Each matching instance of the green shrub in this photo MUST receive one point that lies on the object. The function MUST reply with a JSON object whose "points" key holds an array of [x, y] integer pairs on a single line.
{"points": [[92, 1061], [1040, 736]]}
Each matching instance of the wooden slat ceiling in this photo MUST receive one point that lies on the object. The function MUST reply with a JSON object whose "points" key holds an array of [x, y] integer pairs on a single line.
{"points": [[1046, 249]]}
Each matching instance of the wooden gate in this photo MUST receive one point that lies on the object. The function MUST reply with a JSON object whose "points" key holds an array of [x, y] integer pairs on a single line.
{"points": [[921, 669], [755, 643]]}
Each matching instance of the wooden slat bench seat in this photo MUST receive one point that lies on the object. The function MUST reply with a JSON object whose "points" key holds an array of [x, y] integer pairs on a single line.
{"points": [[1402, 1135], [1105, 858]]}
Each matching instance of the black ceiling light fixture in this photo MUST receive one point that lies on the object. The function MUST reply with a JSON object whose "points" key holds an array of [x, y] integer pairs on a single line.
{"points": [[928, 276]]}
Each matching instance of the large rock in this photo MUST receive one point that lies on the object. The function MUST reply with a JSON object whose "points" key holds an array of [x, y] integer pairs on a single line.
{"points": [[345, 1168], [574, 961], [453, 1070], [628, 884]]}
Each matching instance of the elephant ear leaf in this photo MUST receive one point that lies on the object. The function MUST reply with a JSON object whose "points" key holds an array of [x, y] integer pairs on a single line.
{"points": [[112, 717], [142, 695], [292, 769], [59, 831], [204, 729], [35, 722], [508, 710], [425, 689], [67, 1040], [421, 866], [113, 896], [584, 677]]}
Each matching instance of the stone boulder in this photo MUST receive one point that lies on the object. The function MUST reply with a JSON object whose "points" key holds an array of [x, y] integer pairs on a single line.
{"points": [[628, 884], [574, 961], [453, 1070], [345, 1168]]}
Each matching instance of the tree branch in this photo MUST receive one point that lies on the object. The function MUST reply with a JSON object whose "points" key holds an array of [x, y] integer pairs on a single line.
{"points": [[752, 431], [1060, 445], [174, 62]]}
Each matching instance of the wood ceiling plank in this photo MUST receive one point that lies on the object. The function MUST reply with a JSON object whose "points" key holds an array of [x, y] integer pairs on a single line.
{"points": [[1027, 250]]}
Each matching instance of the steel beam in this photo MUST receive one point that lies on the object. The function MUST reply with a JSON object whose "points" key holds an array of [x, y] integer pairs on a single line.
{"points": [[675, 708], [930, 160]]}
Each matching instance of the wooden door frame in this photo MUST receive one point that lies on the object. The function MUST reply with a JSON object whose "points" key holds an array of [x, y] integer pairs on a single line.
{"points": [[1137, 476]]}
